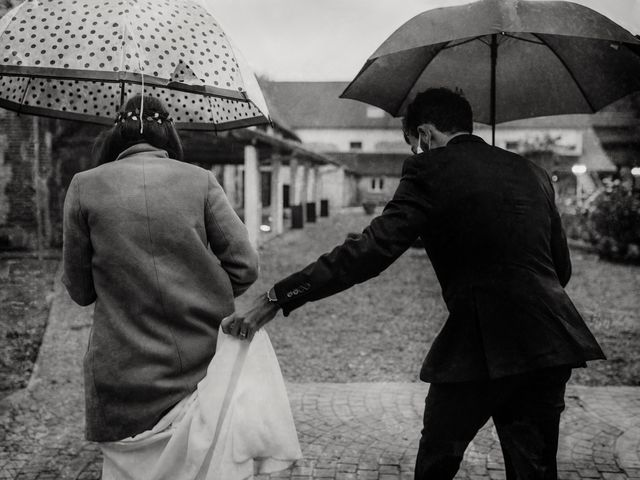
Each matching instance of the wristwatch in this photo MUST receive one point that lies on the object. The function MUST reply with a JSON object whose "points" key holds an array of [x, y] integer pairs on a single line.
{"points": [[271, 295]]}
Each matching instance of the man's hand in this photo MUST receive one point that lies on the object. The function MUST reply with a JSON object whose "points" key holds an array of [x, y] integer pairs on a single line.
{"points": [[245, 325]]}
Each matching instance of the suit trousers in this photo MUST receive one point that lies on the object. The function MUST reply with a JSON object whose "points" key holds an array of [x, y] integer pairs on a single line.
{"points": [[525, 409]]}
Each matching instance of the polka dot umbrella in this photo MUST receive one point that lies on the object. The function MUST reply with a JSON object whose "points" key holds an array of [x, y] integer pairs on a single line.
{"points": [[80, 59]]}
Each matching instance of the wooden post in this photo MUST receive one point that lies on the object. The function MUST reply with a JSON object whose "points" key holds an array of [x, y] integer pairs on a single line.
{"points": [[311, 184], [343, 188], [229, 184], [36, 182], [294, 195], [44, 189], [302, 187], [252, 206], [311, 206], [277, 196]]}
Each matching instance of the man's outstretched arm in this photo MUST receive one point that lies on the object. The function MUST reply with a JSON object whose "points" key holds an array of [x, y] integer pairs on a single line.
{"points": [[358, 259]]}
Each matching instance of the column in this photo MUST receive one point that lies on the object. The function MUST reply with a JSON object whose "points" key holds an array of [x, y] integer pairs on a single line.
{"points": [[302, 187], [294, 196], [229, 184], [322, 194], [277, 197], [311, 206], [297, 215], [252, 206]]}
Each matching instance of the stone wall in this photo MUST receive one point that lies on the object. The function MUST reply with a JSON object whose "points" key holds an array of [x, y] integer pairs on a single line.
{"points": [[38, 157]]}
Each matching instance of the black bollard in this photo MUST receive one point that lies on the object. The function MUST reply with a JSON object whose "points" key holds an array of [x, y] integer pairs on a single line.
{"points": [[324, 208], [297, 220], [311, 212]]}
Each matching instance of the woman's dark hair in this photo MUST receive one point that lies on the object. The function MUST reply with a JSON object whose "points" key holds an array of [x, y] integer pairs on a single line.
{"points": [[445, 109], [158, 130]]}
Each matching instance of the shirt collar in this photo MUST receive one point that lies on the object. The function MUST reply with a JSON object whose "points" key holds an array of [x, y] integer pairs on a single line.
{"points": [[467, 137], [143, 148]]}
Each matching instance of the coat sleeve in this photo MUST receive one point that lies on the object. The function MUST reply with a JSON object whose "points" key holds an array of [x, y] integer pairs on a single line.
{"points": [[229, 239], [77, 251], [559, 247], [361, 256]]}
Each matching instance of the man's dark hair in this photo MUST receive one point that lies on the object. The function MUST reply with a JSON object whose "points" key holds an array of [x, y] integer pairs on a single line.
{"points": [[445, 109], [126, 132]]}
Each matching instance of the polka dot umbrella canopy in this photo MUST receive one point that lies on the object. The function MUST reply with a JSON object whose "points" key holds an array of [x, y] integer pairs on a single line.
{"points": [[81, 59]]}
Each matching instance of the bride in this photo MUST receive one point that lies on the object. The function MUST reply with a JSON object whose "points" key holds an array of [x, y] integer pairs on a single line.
{"points": [[154, 242]]}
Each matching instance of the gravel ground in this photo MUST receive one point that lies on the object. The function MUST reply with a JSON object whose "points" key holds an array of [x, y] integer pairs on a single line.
{"points": [[381, 330], [377, 331], [24, 286]]}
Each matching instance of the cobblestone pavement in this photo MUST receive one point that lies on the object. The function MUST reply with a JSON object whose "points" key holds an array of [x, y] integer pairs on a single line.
{"points": [[360, 431]]}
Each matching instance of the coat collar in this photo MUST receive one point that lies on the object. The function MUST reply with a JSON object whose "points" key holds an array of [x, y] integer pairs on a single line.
{"points": [[467, 137], [143, 148]]}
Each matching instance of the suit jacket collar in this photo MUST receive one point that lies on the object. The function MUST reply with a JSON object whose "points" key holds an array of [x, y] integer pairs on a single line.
{"points": [[143, 148], [465, 138]]}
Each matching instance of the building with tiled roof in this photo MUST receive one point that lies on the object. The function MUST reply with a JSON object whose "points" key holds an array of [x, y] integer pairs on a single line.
{"points": [[315, 111], [368, 141]]}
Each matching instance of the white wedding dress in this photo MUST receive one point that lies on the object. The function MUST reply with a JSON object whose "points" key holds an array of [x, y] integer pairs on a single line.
{"points": [[237, 424]]}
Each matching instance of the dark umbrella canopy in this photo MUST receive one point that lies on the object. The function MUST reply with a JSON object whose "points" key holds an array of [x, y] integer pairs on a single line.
{"points": [[512, 59]]}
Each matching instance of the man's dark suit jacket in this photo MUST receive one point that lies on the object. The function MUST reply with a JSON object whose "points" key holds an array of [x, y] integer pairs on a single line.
{"points": [[490, 226]]}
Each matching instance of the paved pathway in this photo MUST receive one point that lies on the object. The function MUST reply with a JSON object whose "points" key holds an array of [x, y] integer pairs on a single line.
{"points": [[354, 431]]}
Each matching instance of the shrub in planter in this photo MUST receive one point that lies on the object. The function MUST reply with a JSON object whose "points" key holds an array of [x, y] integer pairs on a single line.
{"points": [[576, 224], [369, 207], [614, 223]]}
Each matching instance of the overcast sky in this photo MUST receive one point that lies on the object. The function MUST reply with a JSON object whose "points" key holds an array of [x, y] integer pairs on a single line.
{"points": [[331, 39]]}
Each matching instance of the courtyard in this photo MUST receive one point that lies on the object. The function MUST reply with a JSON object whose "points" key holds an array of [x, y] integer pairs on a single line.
{"points": [[351, 364]]}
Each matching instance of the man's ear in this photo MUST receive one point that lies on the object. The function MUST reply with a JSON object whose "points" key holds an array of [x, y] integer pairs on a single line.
{"points": [[427, 129]]}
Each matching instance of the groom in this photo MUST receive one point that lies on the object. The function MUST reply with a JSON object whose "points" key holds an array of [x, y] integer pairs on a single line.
{"points": [[489, 223]]}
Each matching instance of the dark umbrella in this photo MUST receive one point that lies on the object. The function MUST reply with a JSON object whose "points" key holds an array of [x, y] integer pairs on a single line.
{"points": [[512, 59]]}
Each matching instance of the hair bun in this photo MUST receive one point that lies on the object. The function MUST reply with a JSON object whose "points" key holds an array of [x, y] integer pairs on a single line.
{"points": [[149, 116]]}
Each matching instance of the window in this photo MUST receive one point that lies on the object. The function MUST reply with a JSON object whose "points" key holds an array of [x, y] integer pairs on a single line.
{"points": [[355, 145], [377, 184]]}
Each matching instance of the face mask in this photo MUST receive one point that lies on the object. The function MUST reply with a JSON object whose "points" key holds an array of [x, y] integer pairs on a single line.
{"points": [[420, 149]]}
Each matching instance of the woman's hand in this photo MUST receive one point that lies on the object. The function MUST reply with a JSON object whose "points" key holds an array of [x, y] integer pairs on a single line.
{"points": [[245, 325]]}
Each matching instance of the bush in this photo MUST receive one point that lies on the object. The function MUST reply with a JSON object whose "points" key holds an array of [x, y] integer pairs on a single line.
{"points": [[369, 207], [613, 222]]}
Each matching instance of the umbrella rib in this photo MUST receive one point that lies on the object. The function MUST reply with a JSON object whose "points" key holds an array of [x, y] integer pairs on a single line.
{"points": [[464, 42], [24, 95], [573, 77], [522, 39]]}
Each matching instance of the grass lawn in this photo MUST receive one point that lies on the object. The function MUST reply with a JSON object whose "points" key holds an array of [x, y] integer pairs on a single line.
{"points": [[24, 285]]}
